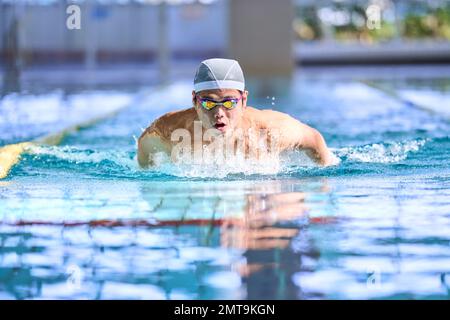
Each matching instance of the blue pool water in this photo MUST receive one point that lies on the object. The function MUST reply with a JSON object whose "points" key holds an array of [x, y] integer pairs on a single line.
{"points": [[81, 220]]}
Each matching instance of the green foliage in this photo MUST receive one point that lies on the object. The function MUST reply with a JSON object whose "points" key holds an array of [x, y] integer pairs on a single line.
{"points": [[418, 22]]}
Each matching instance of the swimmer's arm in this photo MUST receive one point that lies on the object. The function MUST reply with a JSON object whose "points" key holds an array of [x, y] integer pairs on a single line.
{"points": [[149, 143], [315, 146]]}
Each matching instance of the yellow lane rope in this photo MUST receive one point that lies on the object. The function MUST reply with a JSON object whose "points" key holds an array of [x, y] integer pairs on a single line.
{"points": [[9, 156]]}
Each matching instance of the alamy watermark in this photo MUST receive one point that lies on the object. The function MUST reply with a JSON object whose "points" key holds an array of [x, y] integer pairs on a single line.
{"points": [[213, 146], [373, 278], [373, 13], [73, 21], [75, 277]]}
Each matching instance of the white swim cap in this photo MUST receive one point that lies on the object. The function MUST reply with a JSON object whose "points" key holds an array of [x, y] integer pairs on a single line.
{"points": [[219, 74]]}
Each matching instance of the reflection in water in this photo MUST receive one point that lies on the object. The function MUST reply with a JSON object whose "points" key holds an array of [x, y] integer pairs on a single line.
{"points": [[259, 219], [225, 239], [265, 234], [200, 240]]}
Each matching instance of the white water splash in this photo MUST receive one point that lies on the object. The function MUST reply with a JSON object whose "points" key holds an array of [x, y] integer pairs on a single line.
{"points": [[380, 153], [284, 164], [270, 165], [79, 156], [234, 165]]}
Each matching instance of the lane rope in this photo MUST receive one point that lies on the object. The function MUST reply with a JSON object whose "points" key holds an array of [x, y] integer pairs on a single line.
{"points": [[10, 155], [394, 94]]}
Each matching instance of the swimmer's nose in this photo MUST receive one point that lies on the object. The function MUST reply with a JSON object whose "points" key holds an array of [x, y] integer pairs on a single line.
{"points": [[219, 113]]}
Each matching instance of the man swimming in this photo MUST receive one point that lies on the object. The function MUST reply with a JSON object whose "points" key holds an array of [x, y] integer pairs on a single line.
{"points": [[219, 103]]}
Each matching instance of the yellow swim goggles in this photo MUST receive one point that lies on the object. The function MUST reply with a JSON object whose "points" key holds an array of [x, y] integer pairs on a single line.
{"points": [[209, 104]]}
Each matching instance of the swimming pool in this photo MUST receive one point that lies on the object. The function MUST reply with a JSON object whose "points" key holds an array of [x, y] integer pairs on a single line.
{"points": [[80, 220]]}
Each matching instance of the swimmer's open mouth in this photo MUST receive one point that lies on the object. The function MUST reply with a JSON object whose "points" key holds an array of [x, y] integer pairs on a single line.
{"points": [[220, 126]]}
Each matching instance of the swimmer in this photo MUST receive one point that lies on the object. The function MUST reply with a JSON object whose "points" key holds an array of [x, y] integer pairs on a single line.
{"points": [[219, 102]]}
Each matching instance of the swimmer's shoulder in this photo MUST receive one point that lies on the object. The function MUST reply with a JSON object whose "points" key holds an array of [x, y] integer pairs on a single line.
{"points": [[164, 125], [268, 118], [156, 138]]}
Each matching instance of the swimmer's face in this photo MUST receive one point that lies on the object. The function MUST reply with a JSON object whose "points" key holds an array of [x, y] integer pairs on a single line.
{"points": [[219, 117]]}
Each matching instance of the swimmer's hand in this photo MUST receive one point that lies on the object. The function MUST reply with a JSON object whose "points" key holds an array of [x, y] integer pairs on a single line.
{"points": [[315, 146], [300, 136]]}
